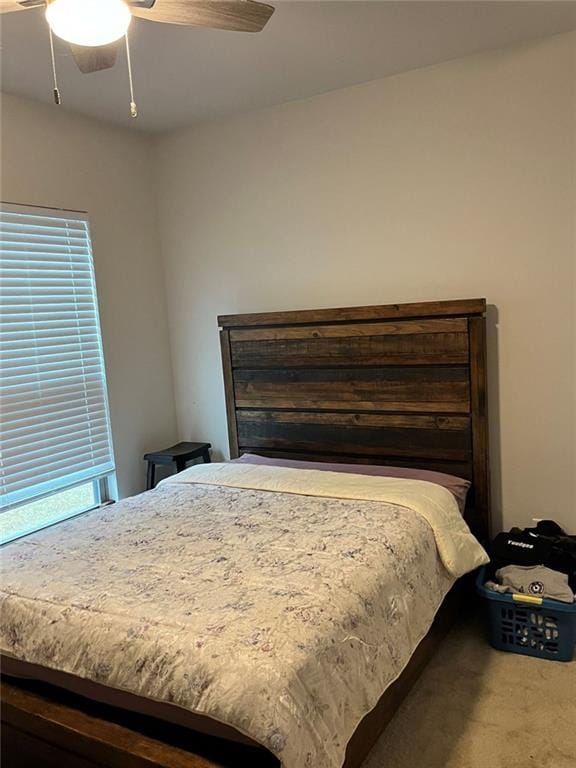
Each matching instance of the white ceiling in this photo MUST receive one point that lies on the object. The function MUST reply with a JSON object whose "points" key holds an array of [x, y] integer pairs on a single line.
{"points": [[184, 74]]}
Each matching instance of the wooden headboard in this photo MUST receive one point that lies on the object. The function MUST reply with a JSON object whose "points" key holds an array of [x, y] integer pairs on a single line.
{"points": [[400, 384]]}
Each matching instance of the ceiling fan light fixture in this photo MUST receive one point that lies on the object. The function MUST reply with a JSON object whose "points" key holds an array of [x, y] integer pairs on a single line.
{"points": [[89, 22]]}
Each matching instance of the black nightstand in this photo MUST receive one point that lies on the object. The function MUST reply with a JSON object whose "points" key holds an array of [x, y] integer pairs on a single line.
{"points": [[179, 455]]}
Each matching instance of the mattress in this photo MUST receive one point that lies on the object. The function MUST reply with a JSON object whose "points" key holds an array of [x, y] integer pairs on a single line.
{"points": [[281, 614]]}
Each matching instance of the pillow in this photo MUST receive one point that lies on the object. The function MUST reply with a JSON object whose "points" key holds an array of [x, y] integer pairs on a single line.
{"points": [[457, 486]]}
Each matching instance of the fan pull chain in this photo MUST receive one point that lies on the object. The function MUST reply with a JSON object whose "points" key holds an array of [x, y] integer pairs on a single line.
{"points": [[133, 107], [56, 91]]}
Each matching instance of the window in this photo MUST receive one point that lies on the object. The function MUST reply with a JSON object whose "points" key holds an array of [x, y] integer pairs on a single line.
{"points": [[56, 456]]}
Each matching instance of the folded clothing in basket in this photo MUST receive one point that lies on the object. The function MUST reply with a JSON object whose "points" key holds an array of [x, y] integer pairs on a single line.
{"points": [[534, 580], [546, 544]]}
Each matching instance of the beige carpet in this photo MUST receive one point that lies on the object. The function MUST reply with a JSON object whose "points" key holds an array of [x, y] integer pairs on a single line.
{"points": [[475, 707]]}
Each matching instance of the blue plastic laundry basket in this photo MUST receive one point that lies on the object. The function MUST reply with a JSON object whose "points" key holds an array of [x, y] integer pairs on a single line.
{"points": [[531, 625]]}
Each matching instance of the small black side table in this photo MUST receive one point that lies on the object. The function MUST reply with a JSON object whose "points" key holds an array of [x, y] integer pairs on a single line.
{"points": [[179, 455]]}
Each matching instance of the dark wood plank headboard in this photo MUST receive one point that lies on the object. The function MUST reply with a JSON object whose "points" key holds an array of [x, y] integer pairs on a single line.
{"points": [[401, 384]]}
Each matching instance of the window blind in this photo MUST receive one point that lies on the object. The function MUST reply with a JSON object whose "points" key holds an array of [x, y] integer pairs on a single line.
{"points": [[54, 419]]}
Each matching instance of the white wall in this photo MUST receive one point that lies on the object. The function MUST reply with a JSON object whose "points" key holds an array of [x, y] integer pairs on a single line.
{"points": [[453, 181], [53, 158]]}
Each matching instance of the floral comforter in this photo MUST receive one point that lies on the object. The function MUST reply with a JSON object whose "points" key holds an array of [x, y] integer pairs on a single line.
{"points": [[285, 616]]}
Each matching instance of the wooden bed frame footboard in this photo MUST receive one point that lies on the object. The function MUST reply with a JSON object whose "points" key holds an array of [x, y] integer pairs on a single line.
{"points": [[47, 727], [401, 384]]}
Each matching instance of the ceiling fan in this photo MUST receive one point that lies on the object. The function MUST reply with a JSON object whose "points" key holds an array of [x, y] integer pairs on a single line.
{"points": [[93, 28]]}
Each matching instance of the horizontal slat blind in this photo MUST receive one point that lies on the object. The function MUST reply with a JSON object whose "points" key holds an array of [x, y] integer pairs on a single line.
{"points": [[55, 427]]}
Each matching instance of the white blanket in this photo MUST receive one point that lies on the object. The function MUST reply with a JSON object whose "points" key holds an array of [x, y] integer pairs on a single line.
{"points": [[459, 550], [283, 612]]}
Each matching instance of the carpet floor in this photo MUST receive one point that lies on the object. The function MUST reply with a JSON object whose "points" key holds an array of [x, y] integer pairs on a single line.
{"points": [[475, 707]]}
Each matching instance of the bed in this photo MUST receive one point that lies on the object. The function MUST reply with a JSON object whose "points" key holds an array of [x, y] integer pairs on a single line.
{"points": [[338, 558]]}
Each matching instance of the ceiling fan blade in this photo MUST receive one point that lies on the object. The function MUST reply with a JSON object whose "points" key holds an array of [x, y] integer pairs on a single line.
{"points": [[235, 15], [94, 59], [7, 6]]}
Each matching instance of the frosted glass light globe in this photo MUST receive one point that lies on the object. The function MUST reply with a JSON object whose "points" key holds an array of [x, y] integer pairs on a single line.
{"points": [[88, 22]]}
